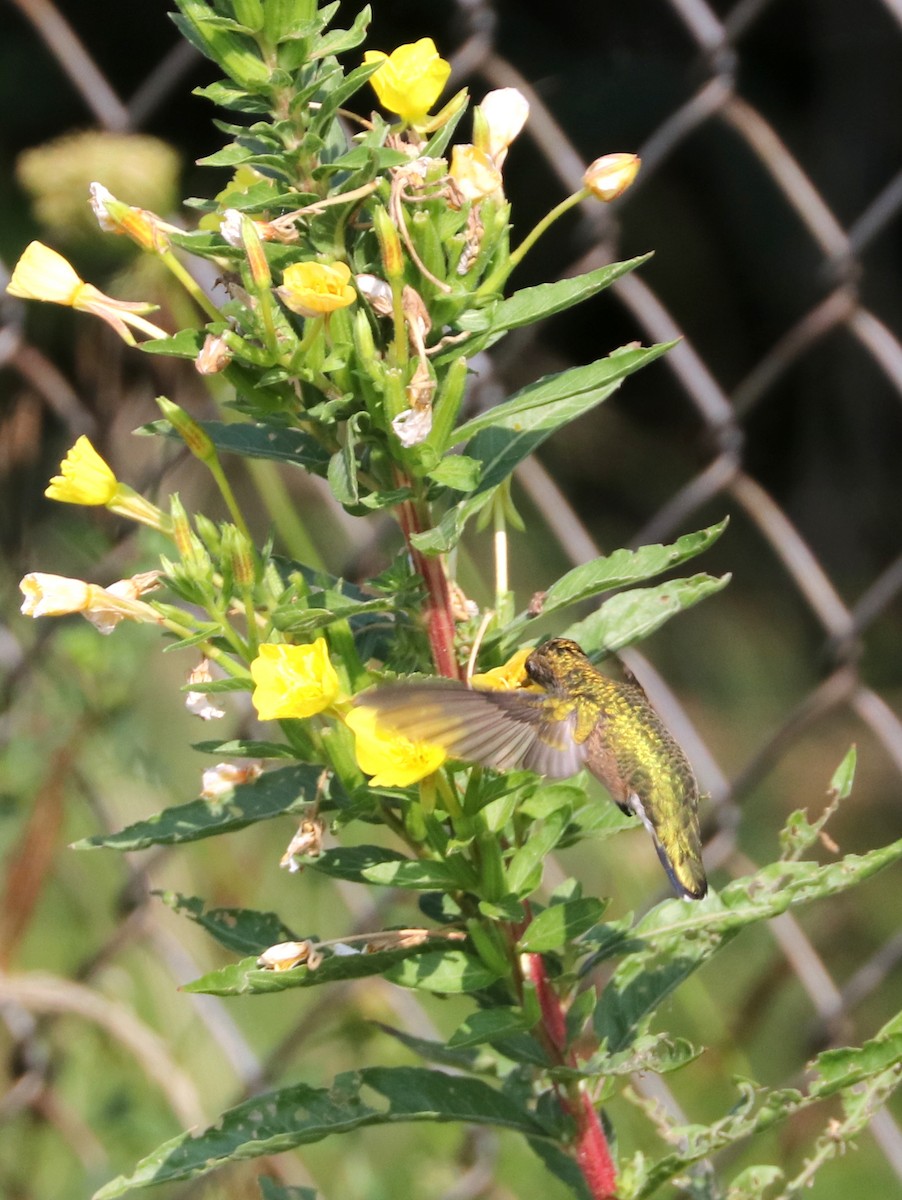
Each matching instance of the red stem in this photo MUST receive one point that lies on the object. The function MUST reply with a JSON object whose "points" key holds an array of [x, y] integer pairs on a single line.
{"points": [[437, 615], [590, 1144]]}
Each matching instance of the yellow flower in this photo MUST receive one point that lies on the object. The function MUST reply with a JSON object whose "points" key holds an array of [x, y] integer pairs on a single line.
{"points": [[609, 176], [314, 289], [410, 79], [85, 478], [42, 274], [293, 681], [392, 759], [475, 173], [507, 677]]}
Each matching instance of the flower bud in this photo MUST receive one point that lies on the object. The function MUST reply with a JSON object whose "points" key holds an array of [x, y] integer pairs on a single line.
{"points": [[609, 176], [193, 435]]}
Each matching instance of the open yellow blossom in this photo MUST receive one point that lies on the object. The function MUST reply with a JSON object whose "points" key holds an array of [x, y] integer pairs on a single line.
{"points": [[392, 759], [410, 79], [314, 289], [293, 681], [508, 676], [609, 176], [42, 274], [85, 479]]}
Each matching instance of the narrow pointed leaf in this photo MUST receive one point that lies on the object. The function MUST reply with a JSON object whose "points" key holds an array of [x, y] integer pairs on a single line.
{"points": [[301, 1114], [288, 790]]}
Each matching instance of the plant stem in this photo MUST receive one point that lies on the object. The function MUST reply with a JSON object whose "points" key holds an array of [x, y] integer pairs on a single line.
{"points": [[590, 1144], [438, 618]]}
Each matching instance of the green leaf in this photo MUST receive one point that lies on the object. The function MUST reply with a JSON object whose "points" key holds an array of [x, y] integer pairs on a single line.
{"points": [[620, 569], [269, 441], [632, 616], [524, 871], [674, 939], [560, 924], [299, 1115], [656, 1052], [244, 748], [751, 1183], [240, 930], [504, 436], [844, 775], [245, 978], [850, 1065], [287, 790], [536, 303], [486, 1025], [350, 862], [444, 971], [555, 400], [233, 53], [420, 874], [458, 472]]}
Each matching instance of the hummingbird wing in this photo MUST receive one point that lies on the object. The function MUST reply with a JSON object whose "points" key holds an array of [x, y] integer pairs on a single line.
{"points": [[504, 729]]}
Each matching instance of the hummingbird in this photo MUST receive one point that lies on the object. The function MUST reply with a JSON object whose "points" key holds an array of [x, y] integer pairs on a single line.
{"points": [[567, 716]]}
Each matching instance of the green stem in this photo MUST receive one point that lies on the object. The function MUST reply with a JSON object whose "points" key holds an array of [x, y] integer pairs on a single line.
{"points": [[190, 284], [495, 281], [228, 495], [279, 506]]}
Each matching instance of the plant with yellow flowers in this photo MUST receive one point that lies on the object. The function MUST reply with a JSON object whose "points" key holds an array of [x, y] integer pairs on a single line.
{"points": [[364, 264]]}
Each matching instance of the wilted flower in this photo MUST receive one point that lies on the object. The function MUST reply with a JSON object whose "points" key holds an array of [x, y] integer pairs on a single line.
{"points": [[201, 704], [57, 596], [504, 112], [214, 355], [609, 176], [222, 779], [410, 79], [307, 840], [285, 955], [392, 759], [145, 228], [42, 274], [377, 291], [474, 173], [293, 681], [313, 289]]}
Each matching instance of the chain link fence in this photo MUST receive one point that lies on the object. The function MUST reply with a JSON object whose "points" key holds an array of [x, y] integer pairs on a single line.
{"points": [[815, 361]]}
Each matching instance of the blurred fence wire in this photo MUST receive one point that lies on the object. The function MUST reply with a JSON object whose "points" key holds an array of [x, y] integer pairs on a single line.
{"points": [[713, 95]]}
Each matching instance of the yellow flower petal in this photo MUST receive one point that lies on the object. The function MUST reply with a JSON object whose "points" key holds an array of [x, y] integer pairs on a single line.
{"points": [[410, 79], [293, 681], [313, 289], [392, 759], [85, 478], [507, 677], [42, 274]]}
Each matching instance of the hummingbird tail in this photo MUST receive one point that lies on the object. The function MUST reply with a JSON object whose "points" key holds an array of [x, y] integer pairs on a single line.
{"points": [[679, 850]]}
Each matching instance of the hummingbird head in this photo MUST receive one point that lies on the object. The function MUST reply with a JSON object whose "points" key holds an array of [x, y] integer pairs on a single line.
{"points": [[549, 663]]}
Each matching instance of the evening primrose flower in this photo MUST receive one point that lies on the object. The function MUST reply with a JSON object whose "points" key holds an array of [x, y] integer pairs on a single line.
{"points": [[508, 676], [474, 173], [48, 595], [222, 779], [503, 115], [42, 274], [86, 478], [144, 228], [293, 681], [609, 176], [392, 759], [410, 79], [313, 289]]}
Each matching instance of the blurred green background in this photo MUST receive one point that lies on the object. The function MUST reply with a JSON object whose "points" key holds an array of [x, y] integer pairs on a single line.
{"points": [[772, 140]]}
